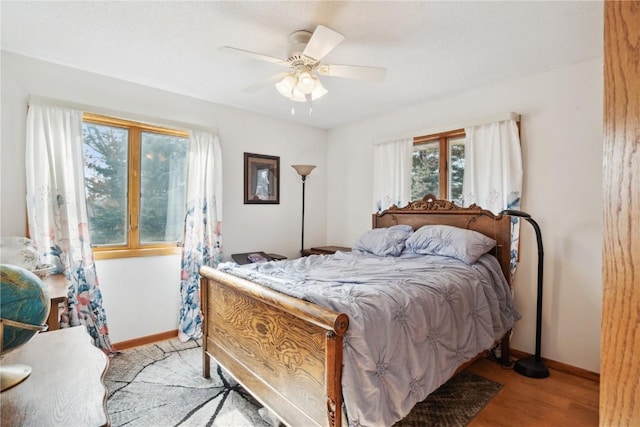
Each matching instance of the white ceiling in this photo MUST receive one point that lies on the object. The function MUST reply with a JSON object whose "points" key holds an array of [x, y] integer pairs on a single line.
{"points": [[430, 49]]}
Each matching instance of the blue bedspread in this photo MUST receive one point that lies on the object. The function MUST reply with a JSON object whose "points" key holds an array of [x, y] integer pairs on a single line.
{"points": [[413, 320]]}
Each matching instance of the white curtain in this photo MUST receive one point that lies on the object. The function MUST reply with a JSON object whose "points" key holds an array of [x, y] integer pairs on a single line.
{"points": [[175, 199], [392, 163], [203, 226], [493, 171], [57, 212]]}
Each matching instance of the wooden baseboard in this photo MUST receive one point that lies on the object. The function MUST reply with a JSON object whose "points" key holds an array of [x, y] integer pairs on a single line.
{"points": [[559, 366], [515, 354], [149, 339]]}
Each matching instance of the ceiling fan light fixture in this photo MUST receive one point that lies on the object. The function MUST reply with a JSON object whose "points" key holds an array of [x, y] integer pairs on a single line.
{"points": [[286, 85], [318, 91], [307, 50], [297, 96]]}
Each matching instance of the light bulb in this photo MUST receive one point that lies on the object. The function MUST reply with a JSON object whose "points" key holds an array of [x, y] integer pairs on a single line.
{"points": [[306, 84], [305, 79]]}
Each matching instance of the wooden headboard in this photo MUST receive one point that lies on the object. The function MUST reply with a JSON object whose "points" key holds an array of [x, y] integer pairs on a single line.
{"points": [[432, 211]]}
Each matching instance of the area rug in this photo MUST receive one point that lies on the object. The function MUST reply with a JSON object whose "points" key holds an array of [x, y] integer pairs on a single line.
{"points": [[161, 385]]}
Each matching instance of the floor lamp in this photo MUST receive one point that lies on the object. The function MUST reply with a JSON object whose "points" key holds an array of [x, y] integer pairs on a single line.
{"points": [[533, 367], [303, 171]]}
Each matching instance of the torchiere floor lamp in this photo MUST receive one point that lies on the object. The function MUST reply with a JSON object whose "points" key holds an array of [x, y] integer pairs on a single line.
{"points": [[303, 171], [533, 367]]}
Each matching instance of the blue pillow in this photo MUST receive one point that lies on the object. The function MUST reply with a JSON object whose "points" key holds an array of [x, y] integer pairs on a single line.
{"points": [[445, 240], [387, 241]]}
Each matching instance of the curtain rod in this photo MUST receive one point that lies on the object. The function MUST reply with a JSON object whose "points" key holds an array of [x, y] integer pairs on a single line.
{"points": [[477, 122], [176, 125]]}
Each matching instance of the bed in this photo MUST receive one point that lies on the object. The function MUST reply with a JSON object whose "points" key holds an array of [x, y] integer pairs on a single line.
{"points": [[289, 350]]}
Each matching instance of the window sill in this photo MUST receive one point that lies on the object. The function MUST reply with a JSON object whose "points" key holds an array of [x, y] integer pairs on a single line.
{"points": [[133, 253]]}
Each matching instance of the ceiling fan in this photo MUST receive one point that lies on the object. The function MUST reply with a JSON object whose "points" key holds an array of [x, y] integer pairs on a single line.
{"points": [[301, 82]]}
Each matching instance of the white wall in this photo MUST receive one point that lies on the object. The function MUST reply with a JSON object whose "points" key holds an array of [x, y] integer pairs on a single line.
{"points": [[141, 294], [562, 154]]}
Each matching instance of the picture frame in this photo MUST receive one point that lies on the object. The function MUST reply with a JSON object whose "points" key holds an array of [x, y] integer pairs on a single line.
{"points": [[261, 179]]}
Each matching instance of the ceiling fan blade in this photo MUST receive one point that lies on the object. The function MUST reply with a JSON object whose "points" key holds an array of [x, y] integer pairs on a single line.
{"points": [[322, 42], [268, 82], [373, 74], [254, 55]]}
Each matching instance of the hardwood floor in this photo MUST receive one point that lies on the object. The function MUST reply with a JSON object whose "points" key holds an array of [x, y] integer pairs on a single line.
{"points": [[563, 399]]}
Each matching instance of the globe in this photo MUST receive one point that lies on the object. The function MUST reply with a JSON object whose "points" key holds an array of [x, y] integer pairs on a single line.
{"points": [[24, 308]]}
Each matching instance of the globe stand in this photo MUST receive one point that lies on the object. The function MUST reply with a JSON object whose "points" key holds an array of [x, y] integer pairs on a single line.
{"points": [[12, 375]]}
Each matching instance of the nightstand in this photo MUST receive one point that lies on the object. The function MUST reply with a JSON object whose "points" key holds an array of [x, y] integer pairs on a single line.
{"points": [[58, 289], [325, 250]]}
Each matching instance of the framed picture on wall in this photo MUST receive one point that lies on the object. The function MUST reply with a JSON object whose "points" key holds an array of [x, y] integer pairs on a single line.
{"points": [[261, 179]]}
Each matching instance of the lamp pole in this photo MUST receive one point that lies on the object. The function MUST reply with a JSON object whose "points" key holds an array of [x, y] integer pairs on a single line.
{"points": [[303, 171], [304, 179], [533, 367]]}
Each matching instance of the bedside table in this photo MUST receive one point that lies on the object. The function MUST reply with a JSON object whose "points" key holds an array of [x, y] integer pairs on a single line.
{"points": [[325, 250], [58, 288]]}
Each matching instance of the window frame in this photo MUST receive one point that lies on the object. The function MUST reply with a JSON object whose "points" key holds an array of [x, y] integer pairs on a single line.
{"points": [[442, 138], [134, 248]]}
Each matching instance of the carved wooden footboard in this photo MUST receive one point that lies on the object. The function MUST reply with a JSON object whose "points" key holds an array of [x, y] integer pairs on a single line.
{"points": [[286, 352]]}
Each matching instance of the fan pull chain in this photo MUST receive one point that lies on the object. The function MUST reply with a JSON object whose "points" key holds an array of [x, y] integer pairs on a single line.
{"points": [[310, 101]]}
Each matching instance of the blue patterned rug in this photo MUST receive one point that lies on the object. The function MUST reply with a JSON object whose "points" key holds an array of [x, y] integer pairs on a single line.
{"points": [[161, 385]]}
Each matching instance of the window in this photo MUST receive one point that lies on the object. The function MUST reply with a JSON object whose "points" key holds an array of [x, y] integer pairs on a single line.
{"points": [[135, 179], [438, 166]]}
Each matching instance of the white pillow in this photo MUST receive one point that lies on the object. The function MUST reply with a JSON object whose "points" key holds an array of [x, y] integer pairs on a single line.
{"points": [[387, 241], [445, 240]]}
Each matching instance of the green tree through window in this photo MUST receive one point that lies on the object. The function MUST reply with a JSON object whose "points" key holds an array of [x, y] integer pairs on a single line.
{"points": [[425, 172], [456, 169], [106, 159], [438, 166], [163, 187], [135, 179]]}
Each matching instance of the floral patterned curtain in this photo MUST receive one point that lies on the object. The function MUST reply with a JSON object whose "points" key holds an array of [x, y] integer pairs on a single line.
{"points": [[57, 212], [493, 172], [202, 230]]}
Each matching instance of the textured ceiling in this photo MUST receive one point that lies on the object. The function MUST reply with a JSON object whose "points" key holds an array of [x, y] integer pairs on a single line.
{"points": [[430, 49]]}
